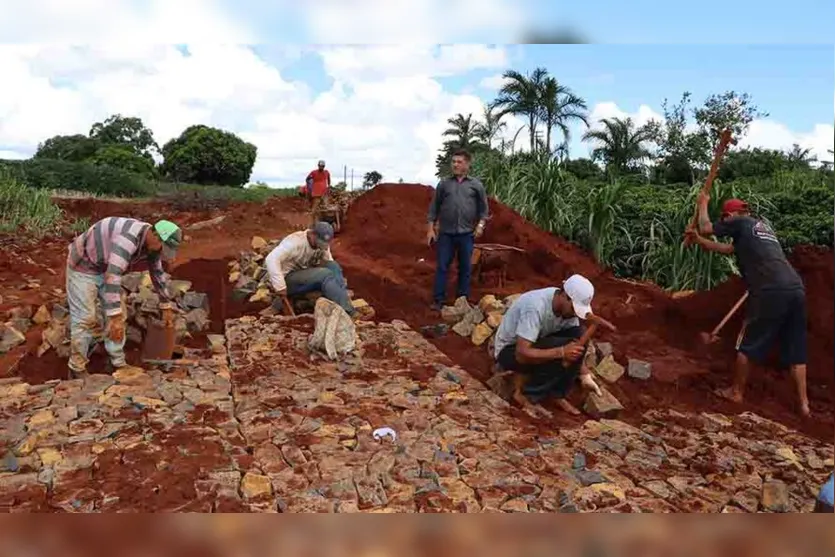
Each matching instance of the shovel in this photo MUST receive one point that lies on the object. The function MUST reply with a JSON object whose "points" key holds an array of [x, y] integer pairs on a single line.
{"points": [[159, 341], [713, 336]]}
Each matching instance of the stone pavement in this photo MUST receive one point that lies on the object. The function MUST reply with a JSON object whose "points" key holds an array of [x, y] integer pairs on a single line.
{"points": [[270, 427]]}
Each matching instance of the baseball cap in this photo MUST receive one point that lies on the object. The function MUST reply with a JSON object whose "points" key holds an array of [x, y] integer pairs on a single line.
{"points": [[733, 205], [171, 236], [321, 163], [324, 234], [580, 291]]}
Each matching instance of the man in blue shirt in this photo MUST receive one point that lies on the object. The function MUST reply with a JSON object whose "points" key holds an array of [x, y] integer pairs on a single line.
{"points": [[456, 218], [825, 503]]}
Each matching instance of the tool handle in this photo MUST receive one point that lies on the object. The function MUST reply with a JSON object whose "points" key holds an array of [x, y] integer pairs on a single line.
{"points": [[724, 140], [730, 314]]}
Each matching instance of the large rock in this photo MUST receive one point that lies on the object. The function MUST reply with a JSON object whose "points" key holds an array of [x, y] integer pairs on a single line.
{"points": [[197, 320], [481, 333], [464, 328], [194, 300], [42, 316], [335, 333], [261, 295], [11, 337], [258, 243], [455, 313], [609, 369], [775, 497], [131, 281], [494, 319], [179, 287], [639, 369], [605, 406], [489, 303]]}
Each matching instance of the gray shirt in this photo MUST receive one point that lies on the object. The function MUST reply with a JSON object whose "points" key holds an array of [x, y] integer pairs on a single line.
{"points": [[458, 205], [531, 317]]}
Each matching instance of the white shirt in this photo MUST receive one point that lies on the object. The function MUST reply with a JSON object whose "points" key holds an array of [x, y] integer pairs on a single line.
{"points": [[531, 317], [294, 253]]}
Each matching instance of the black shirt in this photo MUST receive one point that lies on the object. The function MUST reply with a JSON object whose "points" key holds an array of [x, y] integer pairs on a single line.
{"points": [[458, 205], [760, 257]]}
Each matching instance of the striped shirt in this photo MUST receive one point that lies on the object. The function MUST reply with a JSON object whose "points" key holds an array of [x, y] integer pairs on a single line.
{"points": [[110, 247]]}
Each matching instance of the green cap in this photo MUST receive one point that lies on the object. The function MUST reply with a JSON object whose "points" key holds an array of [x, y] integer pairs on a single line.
{"points": [[171, 236]]}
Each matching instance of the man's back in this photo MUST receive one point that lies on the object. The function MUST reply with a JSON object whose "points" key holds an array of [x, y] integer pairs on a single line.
{"points": [[761, 259]]}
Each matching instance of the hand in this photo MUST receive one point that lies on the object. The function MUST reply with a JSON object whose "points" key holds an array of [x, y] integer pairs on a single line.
{"points": [[431, 236], [288, 307], [588, 382], [572, 351], [116, 328], [167, 317], [479, 230], [691, 235]]}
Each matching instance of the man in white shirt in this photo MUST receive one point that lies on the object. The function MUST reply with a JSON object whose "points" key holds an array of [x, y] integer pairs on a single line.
{"points": [[303, 263], [538, 337]]}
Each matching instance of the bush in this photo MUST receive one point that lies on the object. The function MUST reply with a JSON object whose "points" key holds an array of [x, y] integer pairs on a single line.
{"points": [[51, 174], [25, 208]]}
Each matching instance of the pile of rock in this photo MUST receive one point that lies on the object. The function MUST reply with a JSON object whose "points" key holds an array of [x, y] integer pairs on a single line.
{"points": [[142, 306], [477, 322], [249, 275]]}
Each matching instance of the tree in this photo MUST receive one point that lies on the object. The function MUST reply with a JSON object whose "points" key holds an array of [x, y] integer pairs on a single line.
{"points": [[726, 110], [463, 130], [487, 130], [371, 179], [800, 157], [559, 107], [621, 145], [205, 155], [520, 95], [583, 169], [128, 132], [75, 148], [123, 157]]}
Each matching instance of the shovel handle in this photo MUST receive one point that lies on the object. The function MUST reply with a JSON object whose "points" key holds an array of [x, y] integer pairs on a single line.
{"points": [[724, 140], [729, 314]]}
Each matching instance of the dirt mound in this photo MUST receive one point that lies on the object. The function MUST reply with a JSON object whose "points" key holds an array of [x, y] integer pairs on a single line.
{"points": [[387, 262]]}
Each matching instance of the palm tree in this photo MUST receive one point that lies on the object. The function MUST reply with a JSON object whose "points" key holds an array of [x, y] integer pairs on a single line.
{"points": [[487, 130], [559, 107], [800, 156], [520, 96], [620, 143], [463, 130]]}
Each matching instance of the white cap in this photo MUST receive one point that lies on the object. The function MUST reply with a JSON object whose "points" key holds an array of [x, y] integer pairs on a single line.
{"points": [[580, 291]]}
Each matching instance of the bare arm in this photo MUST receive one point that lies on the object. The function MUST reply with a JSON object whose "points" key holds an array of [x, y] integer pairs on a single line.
{"points": [[718, 247], [527, 354], [705, 226]]}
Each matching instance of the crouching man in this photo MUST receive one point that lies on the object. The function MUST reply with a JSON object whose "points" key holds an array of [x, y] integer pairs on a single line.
{"points": [[538, 340], [303, 263], [96, 262]]}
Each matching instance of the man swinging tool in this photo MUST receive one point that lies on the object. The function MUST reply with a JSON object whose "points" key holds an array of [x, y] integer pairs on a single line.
{"points": [[776, 307]]}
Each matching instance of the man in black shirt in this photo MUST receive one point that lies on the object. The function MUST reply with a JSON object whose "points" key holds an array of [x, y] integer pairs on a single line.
{"points": [[456, 217], [776, 307]]}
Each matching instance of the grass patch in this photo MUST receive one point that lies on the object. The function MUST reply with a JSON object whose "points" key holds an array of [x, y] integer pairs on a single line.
{"points": [[26, 209]]}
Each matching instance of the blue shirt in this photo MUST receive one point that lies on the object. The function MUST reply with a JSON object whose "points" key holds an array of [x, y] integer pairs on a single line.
{"points": [[827, 494]]}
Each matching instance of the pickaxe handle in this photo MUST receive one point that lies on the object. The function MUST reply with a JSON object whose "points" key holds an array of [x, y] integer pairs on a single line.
{"points": [[724, 140], [729, 315]]}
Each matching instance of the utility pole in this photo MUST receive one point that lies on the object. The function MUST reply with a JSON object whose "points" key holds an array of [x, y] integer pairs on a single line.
{"points": [[345, 174], [352, 179]]}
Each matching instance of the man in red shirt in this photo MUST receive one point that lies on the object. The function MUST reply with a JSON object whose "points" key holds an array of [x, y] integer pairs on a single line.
{"points": [[318, 182]]}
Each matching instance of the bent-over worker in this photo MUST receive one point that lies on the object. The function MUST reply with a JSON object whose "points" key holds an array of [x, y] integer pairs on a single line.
{"points": [[776, 306], [538, 338], [457, 215], [96, 261], [303, 263], [318, 182]]}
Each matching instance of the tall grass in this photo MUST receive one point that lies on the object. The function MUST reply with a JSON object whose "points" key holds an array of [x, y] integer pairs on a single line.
{"points": [[26, 209]]}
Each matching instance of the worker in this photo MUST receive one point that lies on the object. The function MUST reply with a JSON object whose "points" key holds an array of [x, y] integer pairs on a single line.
{"points": [[318, 183], [776, 306], [826, 498], [457, 215], [303, 263], [96, 262], [538, 341]]}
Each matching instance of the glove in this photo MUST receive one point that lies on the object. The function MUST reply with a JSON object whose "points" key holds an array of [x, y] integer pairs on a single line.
{"points": [[589, 383], [116, 328]]}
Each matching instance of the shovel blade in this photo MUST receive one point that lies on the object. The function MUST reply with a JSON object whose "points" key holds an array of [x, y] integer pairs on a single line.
{"points": [[159, 342]]}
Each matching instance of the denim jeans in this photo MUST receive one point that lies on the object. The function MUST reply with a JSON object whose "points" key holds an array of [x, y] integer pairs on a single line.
{"points": [[82, 291], [448, 246], [327, 278]]}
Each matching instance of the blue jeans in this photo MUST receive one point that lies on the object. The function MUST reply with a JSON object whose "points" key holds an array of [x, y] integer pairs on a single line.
{"points": [[82, 291], [327, 279], [448, 246]]}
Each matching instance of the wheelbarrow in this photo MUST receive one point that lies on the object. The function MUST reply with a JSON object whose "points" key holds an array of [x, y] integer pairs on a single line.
{"points": [[492, 258]]}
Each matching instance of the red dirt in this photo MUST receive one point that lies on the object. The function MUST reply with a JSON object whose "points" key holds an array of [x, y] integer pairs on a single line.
{"points": [[387, 263]]}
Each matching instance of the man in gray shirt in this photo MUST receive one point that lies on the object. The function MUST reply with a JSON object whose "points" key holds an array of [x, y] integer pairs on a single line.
{"points": [[538, 339], [457, 216]]}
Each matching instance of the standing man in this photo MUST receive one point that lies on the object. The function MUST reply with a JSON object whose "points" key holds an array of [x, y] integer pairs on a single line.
{"points": [[457, 216], [96, 262], [776, 307], [318, 182], [303, 263], [538, 341]]}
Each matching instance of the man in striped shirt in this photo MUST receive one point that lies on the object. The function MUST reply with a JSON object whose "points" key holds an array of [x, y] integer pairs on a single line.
{"points": [[96, 262]]}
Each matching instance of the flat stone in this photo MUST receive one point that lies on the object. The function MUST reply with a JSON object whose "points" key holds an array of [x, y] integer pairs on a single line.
{"points": [[590, 477], [132, 375], [602, 406], [658, 488], [464, 327], [604, 350], [10, 338], [609, 370], [638, 369], [42, 316], [255, 486], [258, 243], [775, 496], [481, 333], [515, 506], [217, 343]]}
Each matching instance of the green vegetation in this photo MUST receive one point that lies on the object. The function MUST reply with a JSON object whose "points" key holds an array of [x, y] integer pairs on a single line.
{"points": [[26, 209], [631, 202]]}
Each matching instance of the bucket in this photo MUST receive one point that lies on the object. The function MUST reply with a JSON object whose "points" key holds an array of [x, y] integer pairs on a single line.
{"points": [[159, 342]]}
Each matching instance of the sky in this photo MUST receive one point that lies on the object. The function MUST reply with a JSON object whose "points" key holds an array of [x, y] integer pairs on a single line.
{"points": [[383, 106]]}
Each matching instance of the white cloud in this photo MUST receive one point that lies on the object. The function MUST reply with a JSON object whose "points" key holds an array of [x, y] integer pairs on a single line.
{"points": [[493, 82], [604, 110], [769, 134]]}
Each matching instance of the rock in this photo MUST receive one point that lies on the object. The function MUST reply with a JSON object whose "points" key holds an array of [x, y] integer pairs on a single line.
{"points": [[194, 300], [197, 320], [489, 304], [9, 462], [590, 477], [775, 496], [609, 370], [131, 281], [258, 243], [234, 276], [335, 332], [363, 308], [10, 338], [464, 328], [600, 407], [134, 334], [509, 301], [454, 314], [21, 324], [60, 312], [263, 294], [658, 488], [515, 506], [814, 462], [56, 334], [179, 287], [42, 316], [604, 349], [49, 456], [639, 369], [20, 312], [502, 385], [579, 462], [132, 375], [475, 315], [481, 333], [494, 319], [434, 331], [255, 485], [217, 343]]}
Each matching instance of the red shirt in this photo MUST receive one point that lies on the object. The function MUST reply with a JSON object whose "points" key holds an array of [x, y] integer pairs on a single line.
{"points": [[321, 181]]}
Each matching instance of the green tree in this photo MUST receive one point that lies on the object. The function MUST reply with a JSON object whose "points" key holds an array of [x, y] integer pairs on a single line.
{"points": [[463, 130], [621, 145], [520, 95], [726, 110], [210, 156], [487, 130], [75, 148], [559, 107], [128, 132], [371, 179], [123, 157]]}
